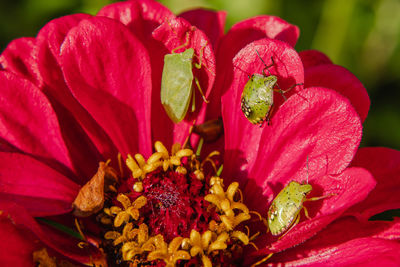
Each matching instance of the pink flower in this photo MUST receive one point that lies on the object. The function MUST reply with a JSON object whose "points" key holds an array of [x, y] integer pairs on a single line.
{"points": [[87, 87]]}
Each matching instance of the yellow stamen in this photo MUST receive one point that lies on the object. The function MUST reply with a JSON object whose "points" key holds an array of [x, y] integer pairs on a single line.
{"points": [[216, 180], [138, 242], [219, 243], [170, 254], [82, 245], [175, 148], [231, 191], [130, 210], [184, 153], [199, 175], [161, 148], [155, 157], [121, 169], [174, 160], [181, 170], [241, 236], [140, 160], [138, 187], [208, 159]]}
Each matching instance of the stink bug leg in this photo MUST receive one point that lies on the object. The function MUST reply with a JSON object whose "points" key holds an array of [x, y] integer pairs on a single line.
{"points": [[198, 66], [177, 81], [262, 260]]}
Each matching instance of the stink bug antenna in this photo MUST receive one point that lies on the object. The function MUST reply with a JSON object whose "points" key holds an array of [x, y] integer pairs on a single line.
{"points": [[170, 26], [266, 67], [279, 90]]}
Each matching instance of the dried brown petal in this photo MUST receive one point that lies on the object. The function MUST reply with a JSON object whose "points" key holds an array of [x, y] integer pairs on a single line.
{"points": [[90, 198]]}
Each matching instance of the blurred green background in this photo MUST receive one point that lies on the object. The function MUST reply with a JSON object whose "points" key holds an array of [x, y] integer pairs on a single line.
{"points": [[361, 35]]}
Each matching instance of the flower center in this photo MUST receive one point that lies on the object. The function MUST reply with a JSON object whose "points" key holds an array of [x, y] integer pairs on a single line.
{"points": [[172, 205], [174, 211]]}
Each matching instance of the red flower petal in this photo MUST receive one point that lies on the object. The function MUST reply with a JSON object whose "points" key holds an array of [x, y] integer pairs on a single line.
{"points": [[384, 164], [34, 185], [340, 79], [347, 228], [82, 151], [60, 242], [7, 147], [20, 57], [51, 36], [212, 23], [289, 70], [338, 235], [174, 33], [108, 71], [28, 122], [141, 16], [240, 35], [358, 252], [49, 42], [154, 11], [249, 30], [17, 250], [350, 187], [316, 123], [311, 58]]}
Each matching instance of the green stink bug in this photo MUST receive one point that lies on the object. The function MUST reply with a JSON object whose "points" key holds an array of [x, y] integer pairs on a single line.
{"points": [[285, 208], [257, 98], [284, 212], [177, 83]]}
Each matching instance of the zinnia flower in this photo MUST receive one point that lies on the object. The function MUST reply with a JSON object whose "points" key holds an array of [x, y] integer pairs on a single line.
{"points": [[88, 88]]}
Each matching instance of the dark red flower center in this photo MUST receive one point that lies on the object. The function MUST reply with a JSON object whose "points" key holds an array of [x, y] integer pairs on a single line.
{"points": [[174, 211], [173, 207]]}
